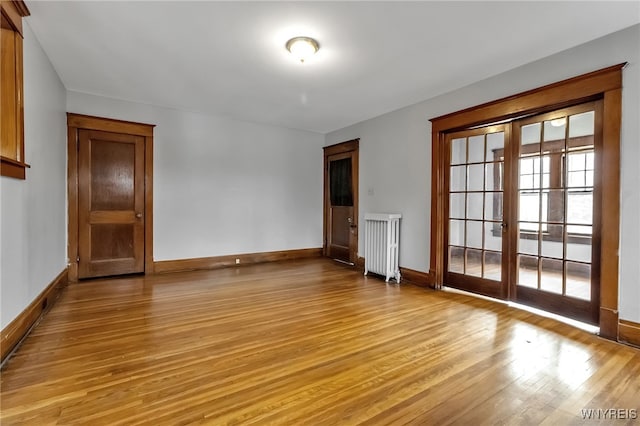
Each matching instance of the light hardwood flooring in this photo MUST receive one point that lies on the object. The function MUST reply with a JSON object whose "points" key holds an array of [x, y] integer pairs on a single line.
{"points": [[305, 342]]}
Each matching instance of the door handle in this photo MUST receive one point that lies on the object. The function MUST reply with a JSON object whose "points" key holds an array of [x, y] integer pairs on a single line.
{"points": [[503, 226], [139, 215]]}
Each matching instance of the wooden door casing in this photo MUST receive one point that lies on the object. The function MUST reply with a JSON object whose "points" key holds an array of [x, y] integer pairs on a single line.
{"points": [[110, 203], [137, 217], [341, 222]]}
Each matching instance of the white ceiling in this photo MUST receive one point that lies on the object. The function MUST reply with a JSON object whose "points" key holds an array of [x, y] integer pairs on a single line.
{"points": [[228, 58]]}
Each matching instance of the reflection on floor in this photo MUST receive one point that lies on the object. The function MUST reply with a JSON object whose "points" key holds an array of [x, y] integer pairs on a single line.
{"points": [[305, 342]]}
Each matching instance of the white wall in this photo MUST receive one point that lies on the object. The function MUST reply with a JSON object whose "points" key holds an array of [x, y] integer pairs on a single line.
{"points": [[223, 186], [33, 218], [395, 150]]}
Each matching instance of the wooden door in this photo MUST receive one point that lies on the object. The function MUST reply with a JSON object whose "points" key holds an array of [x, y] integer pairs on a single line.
{"points": [[341, 202], [475, 237], [111, 201], [557, 238]]}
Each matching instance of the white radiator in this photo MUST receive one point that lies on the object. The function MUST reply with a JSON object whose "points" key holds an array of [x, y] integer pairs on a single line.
{"points": [[381, 243]]}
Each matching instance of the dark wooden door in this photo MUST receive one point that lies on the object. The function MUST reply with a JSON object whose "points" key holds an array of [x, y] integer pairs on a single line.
{"points": [[110, 203], [341, 201], [557, 238], [476, 236]]}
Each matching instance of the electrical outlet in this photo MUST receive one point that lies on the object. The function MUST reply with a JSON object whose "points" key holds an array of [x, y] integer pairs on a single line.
{"points": [[237, 261]]}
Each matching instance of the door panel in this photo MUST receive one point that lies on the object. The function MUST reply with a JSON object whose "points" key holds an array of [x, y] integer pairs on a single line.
{"points": [[555, 267], [340, 237], [110, 203], [475, 211]]}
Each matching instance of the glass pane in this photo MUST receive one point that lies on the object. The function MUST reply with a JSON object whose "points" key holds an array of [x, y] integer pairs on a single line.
{"points": [[526, 166], [580, 251], [529, 226], [476, 149], [456, 205], [492, 236], [495, 146], [530, 134], [556, 205], [553, 247], [474, 263], [493, 265], [456, 232], [577, 162], [474, 234], [579, 280], [589, 160], [580, 208], [528, 271], [576, 179], [459, 151], [588, 177], [526, 181], [555, 129], [456, 260], [529, 208], [551, 278], [475, 201], [476, 177], [528, 240], [494, 176], [458, 178], [340, 187], [493, 206], [546, 173], [581, 124], [582, 230]]}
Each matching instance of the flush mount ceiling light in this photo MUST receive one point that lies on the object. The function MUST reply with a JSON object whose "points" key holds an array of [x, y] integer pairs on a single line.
{"points": [[302, 47]]}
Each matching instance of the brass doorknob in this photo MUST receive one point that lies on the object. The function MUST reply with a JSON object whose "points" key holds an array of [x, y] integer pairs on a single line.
{"points": [[138, 215]]}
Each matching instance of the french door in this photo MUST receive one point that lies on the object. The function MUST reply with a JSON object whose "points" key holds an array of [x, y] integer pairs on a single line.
{"points": [[557, 244], [476, 231], [522, 211]]}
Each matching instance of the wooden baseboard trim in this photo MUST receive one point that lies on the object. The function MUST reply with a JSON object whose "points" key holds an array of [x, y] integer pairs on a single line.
{"points": [[419, 278], [18, 329], [629, 332], [218, 262]]}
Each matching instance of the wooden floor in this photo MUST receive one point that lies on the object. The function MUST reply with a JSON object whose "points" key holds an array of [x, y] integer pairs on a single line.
{"points": [[306, 342]]}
